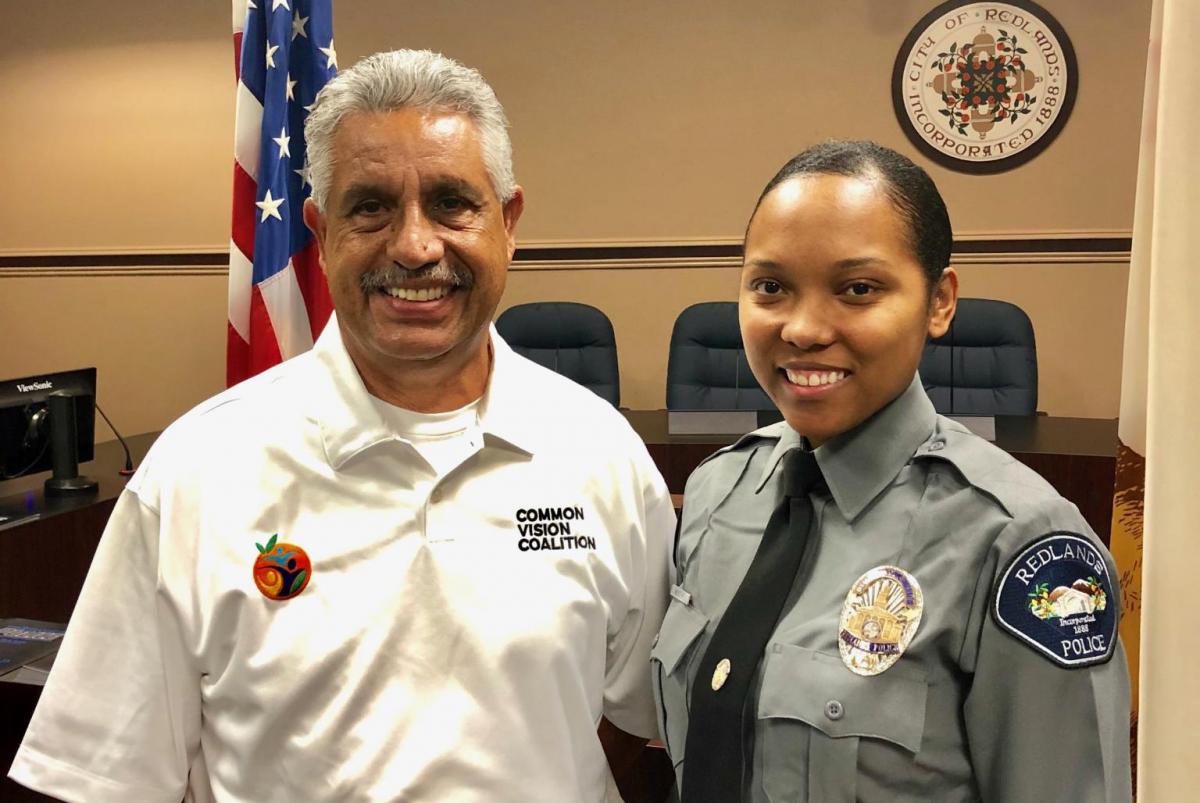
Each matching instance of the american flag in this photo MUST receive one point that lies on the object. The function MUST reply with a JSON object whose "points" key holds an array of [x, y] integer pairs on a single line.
{"points": [[278, 300]]}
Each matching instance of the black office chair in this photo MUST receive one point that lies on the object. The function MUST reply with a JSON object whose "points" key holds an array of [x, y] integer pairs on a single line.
{"points": [[988, 358], [575, 340], [706, 366]]}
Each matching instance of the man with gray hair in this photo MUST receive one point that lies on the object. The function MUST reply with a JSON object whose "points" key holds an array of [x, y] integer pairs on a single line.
{"points": [[408, 565]]}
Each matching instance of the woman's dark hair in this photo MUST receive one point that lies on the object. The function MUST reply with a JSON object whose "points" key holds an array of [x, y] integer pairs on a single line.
{"points": [[910, 189]]}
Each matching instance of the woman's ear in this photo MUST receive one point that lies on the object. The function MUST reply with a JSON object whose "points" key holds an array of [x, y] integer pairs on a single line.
{"points": [[943, 303]]}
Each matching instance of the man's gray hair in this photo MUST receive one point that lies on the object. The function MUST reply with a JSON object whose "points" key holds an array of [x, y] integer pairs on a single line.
{"points": [[401, 79]]}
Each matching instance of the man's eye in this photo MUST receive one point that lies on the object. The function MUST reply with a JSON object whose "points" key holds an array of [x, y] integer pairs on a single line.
{"points": [[769, 287], [368, 208], [451, 205]]}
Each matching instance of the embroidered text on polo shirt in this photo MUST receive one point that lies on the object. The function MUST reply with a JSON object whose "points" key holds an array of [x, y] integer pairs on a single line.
{"points": [[549, 528]]}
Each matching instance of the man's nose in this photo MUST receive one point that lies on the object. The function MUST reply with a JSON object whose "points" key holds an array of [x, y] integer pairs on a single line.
{"points": [[415, 241]]}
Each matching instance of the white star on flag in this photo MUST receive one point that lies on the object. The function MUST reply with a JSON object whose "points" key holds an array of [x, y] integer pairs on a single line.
{"points": [[330, 54], [282, 141], [298, 24], [277, 3], [250, 5], [310, 106], [270, 207], [290, 87], [303, 174], [271, 56]]}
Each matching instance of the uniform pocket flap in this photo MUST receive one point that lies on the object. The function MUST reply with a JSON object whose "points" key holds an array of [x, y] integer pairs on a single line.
{"points": [[681, 626], [819, 690]]}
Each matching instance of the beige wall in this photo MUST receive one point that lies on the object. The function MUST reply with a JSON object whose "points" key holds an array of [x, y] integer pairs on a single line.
{"points": [[633, 122], [152, 340]]}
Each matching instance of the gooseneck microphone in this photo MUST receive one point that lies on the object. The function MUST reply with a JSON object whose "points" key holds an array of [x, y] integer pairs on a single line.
{"points": [[64, 451], [128, 470]]}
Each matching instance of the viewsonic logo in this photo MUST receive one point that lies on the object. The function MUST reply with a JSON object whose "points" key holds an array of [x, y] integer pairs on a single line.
{"points": [[43, 385]]}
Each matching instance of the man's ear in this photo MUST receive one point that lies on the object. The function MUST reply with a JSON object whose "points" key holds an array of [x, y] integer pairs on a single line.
{"points": [[314, 218], [513, 208], [943, 303]]}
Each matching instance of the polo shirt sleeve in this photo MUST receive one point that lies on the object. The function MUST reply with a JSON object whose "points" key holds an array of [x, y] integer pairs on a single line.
{"points": [[628, 698], [119, 717], [1038, 726]]}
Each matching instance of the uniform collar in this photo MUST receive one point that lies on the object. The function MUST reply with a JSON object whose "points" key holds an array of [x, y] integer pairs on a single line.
{"points": [[788, 439], [859, 464], [350, 423]]}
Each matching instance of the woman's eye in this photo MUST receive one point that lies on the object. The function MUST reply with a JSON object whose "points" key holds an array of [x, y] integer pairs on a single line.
{"points": [[769, 287], [860, 289]]}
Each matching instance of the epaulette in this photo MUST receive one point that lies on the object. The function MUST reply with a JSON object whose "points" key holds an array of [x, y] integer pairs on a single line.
{"points": [[986, 467], [769, 432]]}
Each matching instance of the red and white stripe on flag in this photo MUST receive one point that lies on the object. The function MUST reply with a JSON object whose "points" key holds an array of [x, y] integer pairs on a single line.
{"points": [[278, 299]]}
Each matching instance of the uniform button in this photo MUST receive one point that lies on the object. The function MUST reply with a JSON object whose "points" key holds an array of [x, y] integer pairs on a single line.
{"points": [[937, 446], [834, 710]]}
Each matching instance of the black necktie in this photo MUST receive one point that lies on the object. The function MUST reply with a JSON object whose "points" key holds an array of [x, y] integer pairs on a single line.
{"points": [[718, 739]]}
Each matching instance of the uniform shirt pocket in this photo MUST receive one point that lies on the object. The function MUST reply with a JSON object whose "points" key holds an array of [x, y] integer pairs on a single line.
{"points": [[818, 721], [669, 661]]}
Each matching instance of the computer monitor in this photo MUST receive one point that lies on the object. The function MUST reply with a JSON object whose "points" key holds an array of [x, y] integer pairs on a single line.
{"points": [[25, 419]]}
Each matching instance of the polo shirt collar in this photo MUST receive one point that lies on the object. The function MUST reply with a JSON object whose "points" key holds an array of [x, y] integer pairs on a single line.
{"points": [[348, 420], [505, 412], [858, 465], [350, 423]]}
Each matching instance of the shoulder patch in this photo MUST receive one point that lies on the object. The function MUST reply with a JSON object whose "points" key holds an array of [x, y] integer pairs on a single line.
{"points": [[1056, 597]]}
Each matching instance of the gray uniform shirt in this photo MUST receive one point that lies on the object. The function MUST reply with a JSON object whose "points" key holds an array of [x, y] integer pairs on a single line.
{"points": [[970, 711]]}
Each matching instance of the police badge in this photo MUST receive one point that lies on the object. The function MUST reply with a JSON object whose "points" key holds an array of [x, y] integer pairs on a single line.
{"points": [[879, 619]]}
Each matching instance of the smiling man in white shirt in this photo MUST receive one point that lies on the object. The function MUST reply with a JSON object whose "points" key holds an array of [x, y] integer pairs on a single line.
{"points": [[408, 565]]}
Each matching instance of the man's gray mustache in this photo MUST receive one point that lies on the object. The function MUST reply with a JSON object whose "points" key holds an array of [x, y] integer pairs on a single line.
{"points": [[395, 276]]}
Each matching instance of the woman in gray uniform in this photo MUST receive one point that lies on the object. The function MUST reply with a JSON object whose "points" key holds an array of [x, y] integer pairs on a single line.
{"points": [[873, 603]]}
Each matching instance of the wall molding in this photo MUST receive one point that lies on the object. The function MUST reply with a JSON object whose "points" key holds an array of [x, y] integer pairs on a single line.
{"points": [[971, 249]]}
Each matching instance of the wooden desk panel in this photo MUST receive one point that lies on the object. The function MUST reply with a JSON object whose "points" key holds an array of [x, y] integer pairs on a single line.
{"points": [[43, 560], [17, 702]]}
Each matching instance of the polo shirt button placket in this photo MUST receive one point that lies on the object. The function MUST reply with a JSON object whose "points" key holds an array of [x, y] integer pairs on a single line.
{"points": [[429, 515]]}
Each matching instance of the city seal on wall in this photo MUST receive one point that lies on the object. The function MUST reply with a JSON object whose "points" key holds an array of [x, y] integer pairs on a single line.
{"points": [[984, 87]]}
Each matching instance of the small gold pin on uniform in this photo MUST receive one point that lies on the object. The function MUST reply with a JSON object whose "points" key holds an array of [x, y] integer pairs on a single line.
{"points": [[721, 674], [879, 619]]}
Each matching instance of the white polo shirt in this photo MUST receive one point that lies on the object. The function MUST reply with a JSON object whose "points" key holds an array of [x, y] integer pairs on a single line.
{"points": [[458, 637]]}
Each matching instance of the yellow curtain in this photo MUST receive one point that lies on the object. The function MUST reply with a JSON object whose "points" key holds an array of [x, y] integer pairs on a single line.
{"points": [[1155, 519]]}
